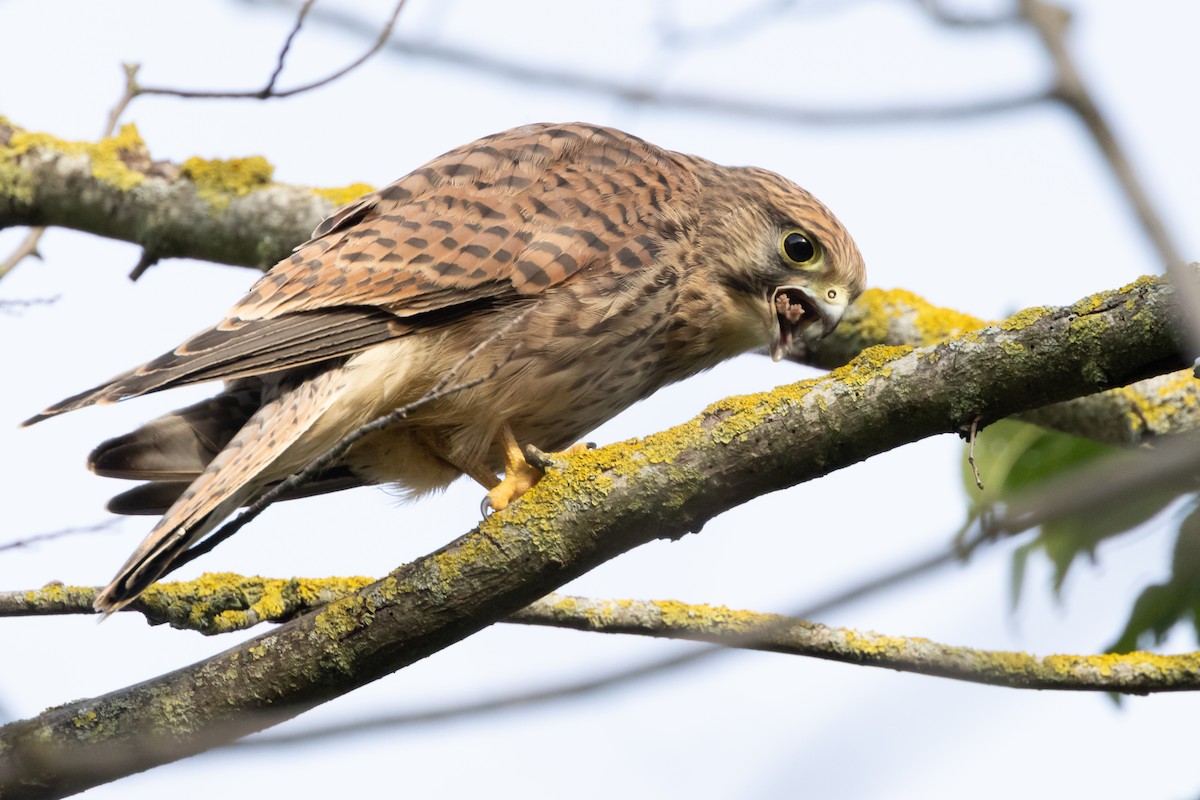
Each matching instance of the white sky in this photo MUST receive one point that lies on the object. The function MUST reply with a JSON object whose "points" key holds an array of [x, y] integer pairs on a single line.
{"points": [[987, 216]]}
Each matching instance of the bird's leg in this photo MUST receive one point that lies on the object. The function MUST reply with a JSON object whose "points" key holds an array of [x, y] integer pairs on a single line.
{"points": [[519, 475]]}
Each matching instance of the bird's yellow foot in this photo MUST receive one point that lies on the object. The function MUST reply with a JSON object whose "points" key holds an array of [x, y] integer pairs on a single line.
{"points": [[519, 475]]}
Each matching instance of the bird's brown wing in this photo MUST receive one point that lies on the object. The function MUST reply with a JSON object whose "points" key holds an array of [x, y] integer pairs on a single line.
{"points": [[491, 222]]}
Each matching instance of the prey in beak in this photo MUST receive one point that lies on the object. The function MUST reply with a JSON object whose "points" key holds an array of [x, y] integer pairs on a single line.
{"points": [[796, 308]]}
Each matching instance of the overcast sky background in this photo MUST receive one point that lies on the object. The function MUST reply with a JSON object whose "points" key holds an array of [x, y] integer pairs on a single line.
{"points": [[988, 215]]}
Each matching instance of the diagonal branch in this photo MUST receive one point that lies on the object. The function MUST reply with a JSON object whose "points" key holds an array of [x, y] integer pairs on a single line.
{"points": [[601, 504]]}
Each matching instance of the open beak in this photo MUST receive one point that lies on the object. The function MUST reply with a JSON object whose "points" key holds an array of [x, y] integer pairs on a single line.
{"points": [[797, 308]]}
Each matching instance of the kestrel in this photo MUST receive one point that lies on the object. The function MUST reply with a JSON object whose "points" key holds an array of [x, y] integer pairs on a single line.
{"points": [[585, 268]]}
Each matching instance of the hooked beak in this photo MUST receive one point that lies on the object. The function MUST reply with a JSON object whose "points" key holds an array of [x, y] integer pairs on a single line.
{"points": [[797, 308]]}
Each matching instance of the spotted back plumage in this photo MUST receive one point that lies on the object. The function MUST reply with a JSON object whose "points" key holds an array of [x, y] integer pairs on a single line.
{"points": [[488, 223]]}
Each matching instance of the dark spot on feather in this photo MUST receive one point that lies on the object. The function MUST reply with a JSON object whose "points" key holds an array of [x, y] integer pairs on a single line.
{"points": [[477, 250], [396, 194], [542, 209], [514, 182], [417, 242], [628, 258], [422, 258], [427, 173], [459, 168], [486, 211], [533, 273], [442, 224], [448, 269], [449, 243]]}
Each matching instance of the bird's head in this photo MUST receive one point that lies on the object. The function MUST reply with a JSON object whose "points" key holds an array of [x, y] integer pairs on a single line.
{"points": [[780, 255]]}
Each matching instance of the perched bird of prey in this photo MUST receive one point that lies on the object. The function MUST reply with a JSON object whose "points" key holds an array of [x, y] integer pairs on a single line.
{"points": [[583, 269]]}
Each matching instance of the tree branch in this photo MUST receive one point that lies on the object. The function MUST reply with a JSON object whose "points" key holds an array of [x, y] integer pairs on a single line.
{"points": [[1130, 673], [230, 212], [1160, 406], [601, 504]]}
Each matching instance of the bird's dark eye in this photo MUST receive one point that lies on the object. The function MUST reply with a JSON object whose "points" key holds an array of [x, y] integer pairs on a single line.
{"points": [[798, 250]]}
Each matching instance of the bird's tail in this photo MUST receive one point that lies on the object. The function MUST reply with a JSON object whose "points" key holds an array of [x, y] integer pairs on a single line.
{"points": [[244, 466]]}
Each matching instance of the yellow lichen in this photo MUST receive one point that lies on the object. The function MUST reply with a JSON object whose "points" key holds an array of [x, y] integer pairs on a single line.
{"points": [[711, 619], [472, 550], [219, 181], [85, 720], [874, 362], [1023, 319], [1137, 662], [108, 158], [1174, 394], [222, 602], [341, 195], [877, 307]]}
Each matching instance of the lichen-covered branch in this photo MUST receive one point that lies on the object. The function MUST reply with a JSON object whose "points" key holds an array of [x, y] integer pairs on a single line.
{"points": [[213, 603], [1163, 405], [593, 507], [1130, 673], [230, 212], [219, 603]]}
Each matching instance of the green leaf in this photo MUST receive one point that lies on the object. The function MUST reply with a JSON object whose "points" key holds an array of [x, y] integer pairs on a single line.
{"points": [[1162, 606]]}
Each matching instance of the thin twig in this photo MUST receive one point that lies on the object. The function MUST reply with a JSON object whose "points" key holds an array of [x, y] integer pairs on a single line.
{"points": [[953, 19], [15, 304], [474, 60], [131, 91], [441, 389], [268, 91], [971, 453], [28, 248], [28, 541], [1051, 24], [281, 59], [145, 261]]}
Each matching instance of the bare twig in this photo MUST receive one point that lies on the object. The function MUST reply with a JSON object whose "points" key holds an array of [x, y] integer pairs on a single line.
{"points": [[281, 59], [1051, 24], [145, 261], [14, 305], [441, 389], [29, 541], [131, 91], [28, 248], [269, 91], [953, 19], [639, 94], [971, 453]]}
